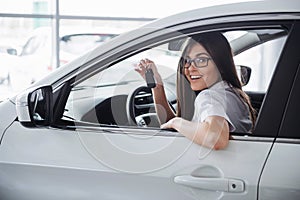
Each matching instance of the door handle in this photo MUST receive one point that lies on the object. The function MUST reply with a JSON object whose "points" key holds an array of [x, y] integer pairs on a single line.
{"points": [[215, 184]]}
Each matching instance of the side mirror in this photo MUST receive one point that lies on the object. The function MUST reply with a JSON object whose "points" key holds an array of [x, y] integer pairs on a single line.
{"points": [[244, 74], [34, 107]]}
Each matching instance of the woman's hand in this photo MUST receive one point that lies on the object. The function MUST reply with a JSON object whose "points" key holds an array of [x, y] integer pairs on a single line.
{"points": [[162, 106], [145, 64], [172, 123]]}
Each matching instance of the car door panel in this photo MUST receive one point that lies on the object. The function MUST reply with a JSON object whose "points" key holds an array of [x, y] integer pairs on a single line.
{"points": [[103, 164], [281, 178]]}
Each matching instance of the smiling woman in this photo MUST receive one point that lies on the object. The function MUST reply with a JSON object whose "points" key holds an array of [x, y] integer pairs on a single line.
{"points": [[207, 87]]}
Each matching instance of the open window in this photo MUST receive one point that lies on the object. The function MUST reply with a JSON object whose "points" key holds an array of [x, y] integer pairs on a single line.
{"points": [[102, 97]]}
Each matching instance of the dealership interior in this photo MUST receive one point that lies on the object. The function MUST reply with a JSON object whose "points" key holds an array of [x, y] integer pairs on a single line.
{"points": [[38, 36]]}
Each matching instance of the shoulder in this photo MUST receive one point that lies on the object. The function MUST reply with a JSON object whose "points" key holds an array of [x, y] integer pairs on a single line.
{"points": [[213, 94]]}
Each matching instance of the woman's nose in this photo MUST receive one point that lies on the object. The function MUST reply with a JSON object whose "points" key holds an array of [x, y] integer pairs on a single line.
{"points": [[192, 67]]}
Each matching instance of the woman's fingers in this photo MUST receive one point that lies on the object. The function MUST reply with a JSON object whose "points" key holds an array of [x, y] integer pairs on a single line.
{"points": [[168, 124], [145, 64]]}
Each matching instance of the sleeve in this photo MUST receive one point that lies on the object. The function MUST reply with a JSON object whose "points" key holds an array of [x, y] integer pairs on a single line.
{"points": [[211, 103]]}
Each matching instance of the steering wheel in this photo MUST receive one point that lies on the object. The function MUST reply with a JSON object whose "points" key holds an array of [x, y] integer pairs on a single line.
{"points": [[138, 106]]}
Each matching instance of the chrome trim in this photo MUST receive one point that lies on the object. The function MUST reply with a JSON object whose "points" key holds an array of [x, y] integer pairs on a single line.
{"points": [[123, 130], [252, 138], [288, 140], [266, 139], [161, 132], [151, 131]]}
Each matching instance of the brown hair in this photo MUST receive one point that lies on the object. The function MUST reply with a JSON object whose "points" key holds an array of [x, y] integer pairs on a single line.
{"points": [[220, 51]]}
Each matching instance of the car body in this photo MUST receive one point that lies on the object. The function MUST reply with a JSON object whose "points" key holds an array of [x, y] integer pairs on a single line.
{"points": [[35, 58], [88, 129]]}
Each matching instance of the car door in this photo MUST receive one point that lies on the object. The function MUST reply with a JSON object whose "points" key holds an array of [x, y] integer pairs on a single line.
{"points": [[77, 159]]}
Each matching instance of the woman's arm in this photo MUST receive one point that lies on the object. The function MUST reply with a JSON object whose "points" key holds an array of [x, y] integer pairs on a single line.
{"points": [[162, 106], [212, 133]]}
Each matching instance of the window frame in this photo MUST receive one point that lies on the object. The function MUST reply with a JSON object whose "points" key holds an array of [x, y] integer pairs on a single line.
{"points": [[159, 39], [290, 122], [269, 124]]}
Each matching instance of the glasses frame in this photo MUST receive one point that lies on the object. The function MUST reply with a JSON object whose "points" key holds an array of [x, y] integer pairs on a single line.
{"points": [[188, 62]]}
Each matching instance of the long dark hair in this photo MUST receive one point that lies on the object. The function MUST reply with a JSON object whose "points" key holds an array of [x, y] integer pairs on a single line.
{"points": [[220, 51]]}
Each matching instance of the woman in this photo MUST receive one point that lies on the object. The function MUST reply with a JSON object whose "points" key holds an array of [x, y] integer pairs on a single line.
{"points": [[210, 99]]}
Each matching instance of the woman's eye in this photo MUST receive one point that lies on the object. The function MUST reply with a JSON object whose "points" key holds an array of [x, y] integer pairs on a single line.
{"points": [[200, 60]]}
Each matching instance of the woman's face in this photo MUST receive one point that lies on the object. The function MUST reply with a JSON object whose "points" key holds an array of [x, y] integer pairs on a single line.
{"points": [[207, 74]]}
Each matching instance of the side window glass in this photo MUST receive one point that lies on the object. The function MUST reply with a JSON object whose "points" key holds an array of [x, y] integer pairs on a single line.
{"points": [[102, 98], [262, 60]]}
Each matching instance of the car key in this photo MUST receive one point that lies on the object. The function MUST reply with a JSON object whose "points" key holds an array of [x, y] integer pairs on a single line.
{"points": [[150, 78]]}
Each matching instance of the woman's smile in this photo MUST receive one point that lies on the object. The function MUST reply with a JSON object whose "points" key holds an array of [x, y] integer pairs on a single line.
{"points": [[195, 77]]}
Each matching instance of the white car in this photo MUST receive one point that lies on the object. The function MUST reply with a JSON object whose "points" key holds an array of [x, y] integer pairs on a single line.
{"points": [[35, 59], [89, 129], [7, 58]]}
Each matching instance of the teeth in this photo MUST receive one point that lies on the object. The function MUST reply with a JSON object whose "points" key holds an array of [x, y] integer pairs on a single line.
{"points": [[195, 77]]}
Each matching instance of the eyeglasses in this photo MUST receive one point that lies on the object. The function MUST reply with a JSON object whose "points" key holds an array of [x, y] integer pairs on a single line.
{"points": [[199, 62]]}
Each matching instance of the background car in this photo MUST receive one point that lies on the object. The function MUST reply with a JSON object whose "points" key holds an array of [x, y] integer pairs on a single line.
{"points": [[88, 129], [6, 49], [7, 58], [36, 57], [5, 63]]}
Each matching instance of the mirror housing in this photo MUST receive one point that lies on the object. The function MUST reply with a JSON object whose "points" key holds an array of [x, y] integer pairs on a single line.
{"points": [[244, 74], [35, 107]]}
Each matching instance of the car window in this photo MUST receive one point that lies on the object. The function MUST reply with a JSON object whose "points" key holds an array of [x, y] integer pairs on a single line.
{"points": [[262, 60], [103, 97], [93, 99]]}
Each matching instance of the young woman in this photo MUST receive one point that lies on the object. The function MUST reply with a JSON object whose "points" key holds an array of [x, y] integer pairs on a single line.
{"points": [[210, 99]]}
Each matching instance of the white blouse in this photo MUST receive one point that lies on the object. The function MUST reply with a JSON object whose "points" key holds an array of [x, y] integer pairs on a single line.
{"points": [[220, 100]]}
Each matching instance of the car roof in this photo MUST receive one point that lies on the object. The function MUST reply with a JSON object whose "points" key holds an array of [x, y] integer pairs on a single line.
{"points": [[214, 12], [250, 7]]}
